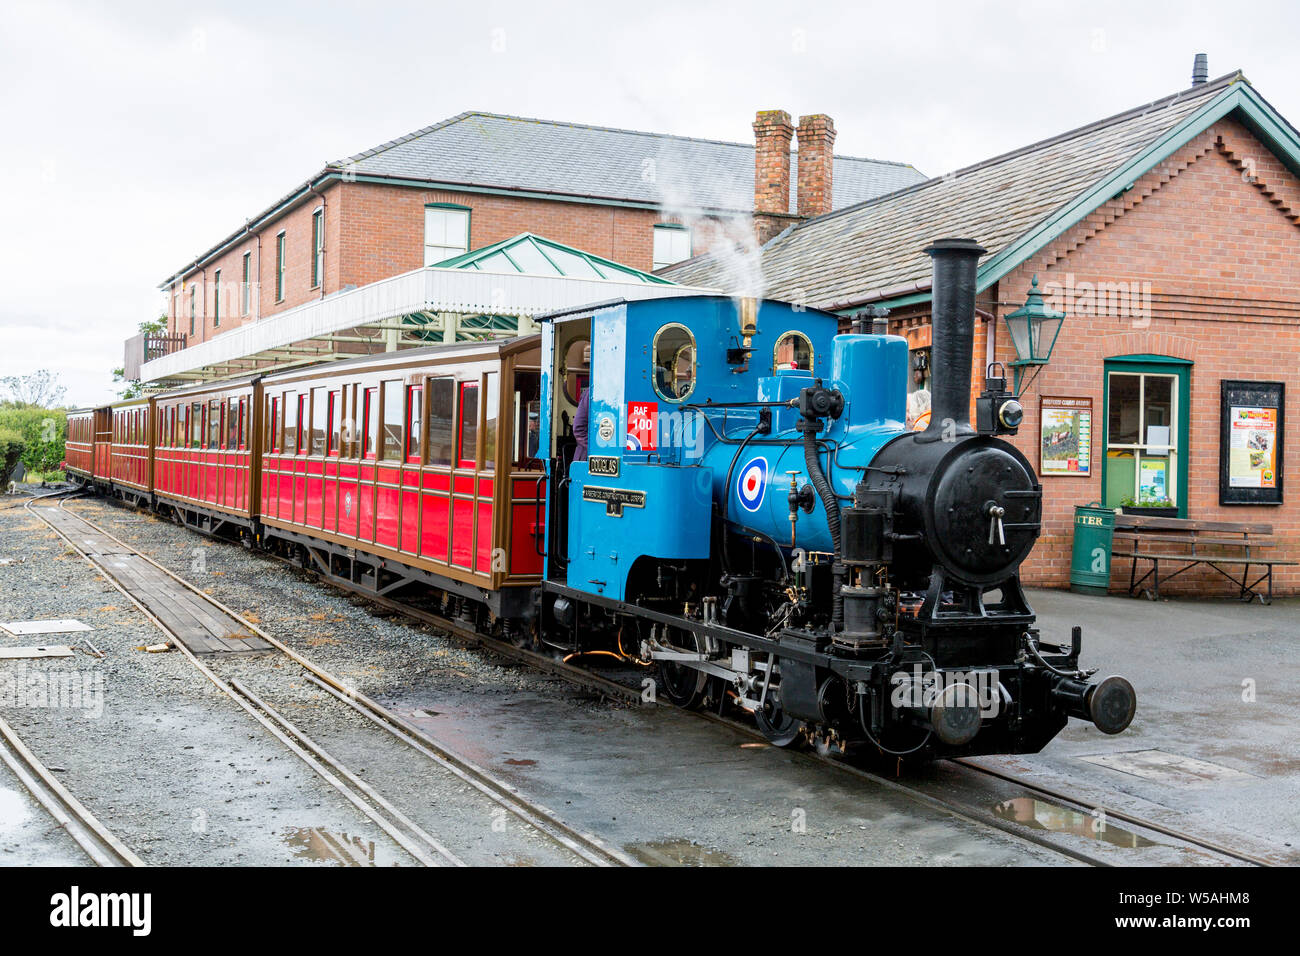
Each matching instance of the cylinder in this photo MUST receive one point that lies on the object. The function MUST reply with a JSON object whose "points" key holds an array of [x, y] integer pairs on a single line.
{"points": [[952, 291]]}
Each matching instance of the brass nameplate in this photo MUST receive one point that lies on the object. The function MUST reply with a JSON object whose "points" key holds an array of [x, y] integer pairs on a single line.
{"points": [[615, 499], [603, 465]]}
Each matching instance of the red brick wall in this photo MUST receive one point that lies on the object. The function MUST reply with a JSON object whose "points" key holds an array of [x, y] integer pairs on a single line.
{"points": [[374, 231], [1214, 232]]}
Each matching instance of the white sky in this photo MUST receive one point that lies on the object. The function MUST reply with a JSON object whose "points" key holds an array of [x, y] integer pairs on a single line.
{"points": [[134, 135]]}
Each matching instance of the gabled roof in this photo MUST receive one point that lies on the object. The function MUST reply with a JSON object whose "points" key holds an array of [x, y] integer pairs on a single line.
{"points": [[528, 254], [533, 155], [1013, 204]]}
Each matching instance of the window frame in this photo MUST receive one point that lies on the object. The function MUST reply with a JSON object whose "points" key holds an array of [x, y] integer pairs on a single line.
{"points": [[216, 302], [667, 228], [415, 399], [448, 207], [317, 246], [1156, 365], [461, 461], [654, 362], [246, 294], [369, 438], [280, 245], [776, 350]]}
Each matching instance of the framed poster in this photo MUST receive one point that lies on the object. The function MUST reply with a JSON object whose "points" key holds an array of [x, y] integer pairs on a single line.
{"points": [[1252, 415], [1066, 446]]}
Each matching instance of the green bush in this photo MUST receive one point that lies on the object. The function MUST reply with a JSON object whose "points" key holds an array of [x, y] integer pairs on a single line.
{"points": [[43, 432], [11, 449]]}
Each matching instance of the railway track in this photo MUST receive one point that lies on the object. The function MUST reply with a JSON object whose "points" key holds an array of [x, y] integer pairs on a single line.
{"points": [[103, 848], [408, 835], [613, 689]]}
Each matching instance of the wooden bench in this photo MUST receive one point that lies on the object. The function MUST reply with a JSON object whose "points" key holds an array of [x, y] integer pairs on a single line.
{"points": [[1216, 544]]}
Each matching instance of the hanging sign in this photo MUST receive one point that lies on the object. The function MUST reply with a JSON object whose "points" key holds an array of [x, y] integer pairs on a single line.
{"points": [[1250, 442], [1066, 428]]}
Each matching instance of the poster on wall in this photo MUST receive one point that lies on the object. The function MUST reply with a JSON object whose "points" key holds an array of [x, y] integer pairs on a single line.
{"points": [[1066, 447], [1250, 442]]}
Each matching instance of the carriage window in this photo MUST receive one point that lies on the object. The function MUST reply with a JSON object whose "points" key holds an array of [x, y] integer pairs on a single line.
{"points": [[289, 445], [442, 433], [232, 425], [467, 451], [793, 353], [335, 412], [393, 421], [214, 423], [490, 421], [319, 418], [577, 369], [414, 431], [304, 429], [674, 362], [527, 418], [196, 425], [274, 426], [372, 421]]}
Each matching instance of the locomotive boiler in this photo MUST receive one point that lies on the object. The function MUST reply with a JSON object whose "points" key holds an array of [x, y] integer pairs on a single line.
{"points": [[756, 519]]}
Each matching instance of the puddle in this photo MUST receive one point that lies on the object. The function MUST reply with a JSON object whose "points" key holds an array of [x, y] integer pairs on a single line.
{"points": [[1039, 815], [521, 763], [678, 853], [14, 812], [330, 846]]}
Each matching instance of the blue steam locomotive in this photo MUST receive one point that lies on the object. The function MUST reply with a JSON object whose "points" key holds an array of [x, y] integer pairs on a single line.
{"points": [[751, 514]]}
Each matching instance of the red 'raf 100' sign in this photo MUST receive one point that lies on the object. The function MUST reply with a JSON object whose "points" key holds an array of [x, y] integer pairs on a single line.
{"points": [[642, 426]]}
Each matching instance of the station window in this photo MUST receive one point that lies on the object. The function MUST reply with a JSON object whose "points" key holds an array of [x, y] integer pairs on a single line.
{"points": [[793, 352], [1144, 420], [372, 421], [490, 414], [317, 247], [393, 421], [194, 306], [246, 290], [414, 411], [442, 431], [319, 421], [216, 300], [527, 418], [446, 233], [467, 445], [672, 244], [674, 362], [279, 268]]}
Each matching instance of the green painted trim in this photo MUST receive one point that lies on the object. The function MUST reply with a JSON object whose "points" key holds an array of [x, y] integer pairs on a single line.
{"points": [[474, 257], [448, 205], [1152, 365]]}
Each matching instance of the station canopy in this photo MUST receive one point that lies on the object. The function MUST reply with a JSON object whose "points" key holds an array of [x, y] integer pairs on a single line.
{"points": [[491, 292]]}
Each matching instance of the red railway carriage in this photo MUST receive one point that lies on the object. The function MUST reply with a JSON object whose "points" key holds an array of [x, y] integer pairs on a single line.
{"points": [[130, 462], [415, 465], [205, 467], [79, 447]]}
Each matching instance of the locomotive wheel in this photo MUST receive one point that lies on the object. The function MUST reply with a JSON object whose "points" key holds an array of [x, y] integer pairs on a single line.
{"points": [[780, 729], [684, 686]]}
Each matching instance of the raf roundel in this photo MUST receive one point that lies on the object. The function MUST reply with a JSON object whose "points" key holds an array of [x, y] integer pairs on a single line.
{"points": [[752, 483]]}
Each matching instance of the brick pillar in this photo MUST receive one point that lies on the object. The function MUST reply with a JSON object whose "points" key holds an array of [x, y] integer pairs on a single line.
{"points": [[816, 164], [773, 131]]}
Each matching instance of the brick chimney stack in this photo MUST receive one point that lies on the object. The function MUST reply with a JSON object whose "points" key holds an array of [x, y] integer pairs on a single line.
{"points": [[773, 131], [816, 164]]}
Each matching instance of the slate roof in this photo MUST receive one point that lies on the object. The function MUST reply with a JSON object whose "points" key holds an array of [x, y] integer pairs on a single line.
{"points": [[514, 152], [873, 250]]}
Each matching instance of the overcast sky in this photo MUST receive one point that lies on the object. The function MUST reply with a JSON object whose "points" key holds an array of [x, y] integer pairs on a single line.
{"points": [[133, 136]]}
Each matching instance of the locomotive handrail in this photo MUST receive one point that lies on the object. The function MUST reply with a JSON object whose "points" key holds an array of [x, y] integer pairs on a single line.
{"points": [[537, 516]]}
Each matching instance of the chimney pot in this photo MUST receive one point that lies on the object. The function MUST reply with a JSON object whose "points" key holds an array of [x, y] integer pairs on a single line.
{"points": [[1200, 69], [816, 164]]}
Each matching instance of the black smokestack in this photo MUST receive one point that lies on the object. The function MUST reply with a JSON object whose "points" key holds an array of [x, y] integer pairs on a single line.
{"points": [[952, 336], [1200, 69]]}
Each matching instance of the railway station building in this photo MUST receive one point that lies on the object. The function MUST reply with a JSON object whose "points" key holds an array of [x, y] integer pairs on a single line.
{"points": [[485, 193], [1165, 239]]}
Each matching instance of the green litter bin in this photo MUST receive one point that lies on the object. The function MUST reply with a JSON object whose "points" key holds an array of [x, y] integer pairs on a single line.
{"points": [[1094, 528]]}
